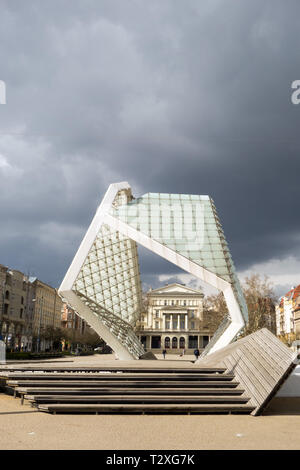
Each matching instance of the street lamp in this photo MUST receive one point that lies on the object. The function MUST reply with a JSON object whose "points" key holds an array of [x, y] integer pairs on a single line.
{"points": [[40, 322], [2, 312]]}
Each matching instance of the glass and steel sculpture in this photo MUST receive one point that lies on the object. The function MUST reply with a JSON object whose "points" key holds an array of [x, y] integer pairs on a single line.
{"points": [[103, 282]]}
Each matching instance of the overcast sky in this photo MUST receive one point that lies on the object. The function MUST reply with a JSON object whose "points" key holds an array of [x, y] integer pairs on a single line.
{"points": [[170, 95]]}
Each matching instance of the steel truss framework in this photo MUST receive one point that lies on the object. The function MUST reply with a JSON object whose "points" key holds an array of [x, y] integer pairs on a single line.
{"points": [[103, 282]]}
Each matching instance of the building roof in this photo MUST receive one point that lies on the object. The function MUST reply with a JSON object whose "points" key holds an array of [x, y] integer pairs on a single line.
{"points": [[291, 294], [175, 289]]}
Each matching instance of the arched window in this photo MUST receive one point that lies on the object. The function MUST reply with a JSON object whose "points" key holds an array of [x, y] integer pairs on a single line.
{"points": [[182, 342], [167, 342], [7, 295], [174, 343]]}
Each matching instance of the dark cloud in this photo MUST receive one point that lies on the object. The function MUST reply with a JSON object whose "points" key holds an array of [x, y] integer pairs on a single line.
{"points": [[181, 97]]}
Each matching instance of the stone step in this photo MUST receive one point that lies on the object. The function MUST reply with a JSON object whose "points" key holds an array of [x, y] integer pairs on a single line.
{"points": [[125, 391], [115, 376], [123, 399], [173, 369], [109, 383], [146, 408]]}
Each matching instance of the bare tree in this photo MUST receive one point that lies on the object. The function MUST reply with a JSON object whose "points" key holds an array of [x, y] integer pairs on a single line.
{"points": [[260, 299], [214, 310]]}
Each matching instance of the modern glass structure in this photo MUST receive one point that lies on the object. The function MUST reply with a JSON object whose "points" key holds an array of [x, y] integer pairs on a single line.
{"points": [[103, 282]]}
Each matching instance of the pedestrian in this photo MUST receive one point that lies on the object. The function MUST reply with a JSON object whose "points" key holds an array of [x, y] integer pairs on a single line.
{"points": [[164, 353], [196, 353]]}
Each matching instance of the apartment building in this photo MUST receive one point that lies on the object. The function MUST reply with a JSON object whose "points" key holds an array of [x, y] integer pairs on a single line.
{"points": [[14, 290], [288, 314], [46, 307]]}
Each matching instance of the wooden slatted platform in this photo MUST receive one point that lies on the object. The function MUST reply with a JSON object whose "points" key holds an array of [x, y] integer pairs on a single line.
{"points": [[260, 362]]}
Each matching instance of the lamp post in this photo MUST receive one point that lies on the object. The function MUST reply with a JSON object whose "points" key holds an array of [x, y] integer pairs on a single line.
{"points": [[40, 322], [2, 310]]}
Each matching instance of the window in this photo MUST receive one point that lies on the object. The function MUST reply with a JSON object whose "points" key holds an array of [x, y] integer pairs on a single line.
{"points": [[167, 342], [157, 313], [182, 322], [175, 322], [193, 342], [174, 343], [155, 342], [182, 342], [166, 303], [157, 325], [192, 325], [184, 302]]}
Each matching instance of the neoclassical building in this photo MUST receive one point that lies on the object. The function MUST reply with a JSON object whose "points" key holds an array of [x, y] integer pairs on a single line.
{"points": [[173, 320]]}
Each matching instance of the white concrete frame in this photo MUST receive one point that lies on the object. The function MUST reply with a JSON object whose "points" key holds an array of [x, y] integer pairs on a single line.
{"points": [[102, 216]]}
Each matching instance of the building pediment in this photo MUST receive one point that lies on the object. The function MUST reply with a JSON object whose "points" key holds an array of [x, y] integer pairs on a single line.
{"points": [[175, 289]]}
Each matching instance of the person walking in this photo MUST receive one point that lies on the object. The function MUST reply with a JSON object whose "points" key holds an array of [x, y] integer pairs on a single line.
{"points": [[164, 353], [196, 354]]}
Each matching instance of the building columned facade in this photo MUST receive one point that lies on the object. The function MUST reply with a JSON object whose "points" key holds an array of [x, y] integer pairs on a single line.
{"points": [[173, 320]]}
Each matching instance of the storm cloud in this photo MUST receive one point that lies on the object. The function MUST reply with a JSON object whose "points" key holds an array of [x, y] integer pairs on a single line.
{"points": [[182, 97]]}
